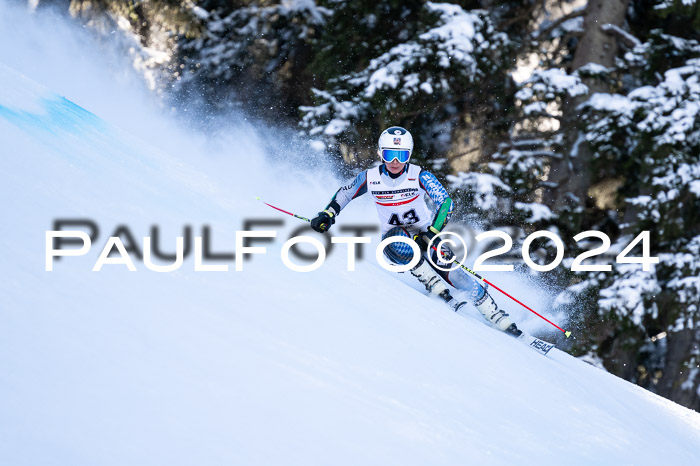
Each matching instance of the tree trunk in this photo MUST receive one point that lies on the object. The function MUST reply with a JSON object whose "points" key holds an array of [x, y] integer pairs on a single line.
{"points": [[680, 380], [572, 173]]}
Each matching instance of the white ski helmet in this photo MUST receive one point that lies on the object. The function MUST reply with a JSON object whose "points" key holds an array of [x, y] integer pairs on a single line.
{"points": [[395, 142]]}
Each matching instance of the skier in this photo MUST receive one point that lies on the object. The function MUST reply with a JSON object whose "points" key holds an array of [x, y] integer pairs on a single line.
{"points": [[398, 189]]}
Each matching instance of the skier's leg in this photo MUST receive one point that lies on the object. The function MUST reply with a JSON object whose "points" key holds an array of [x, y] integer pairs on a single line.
{"points": [[490, 310], [401, 253], [432, 277], [481, 298], [429, 277]]}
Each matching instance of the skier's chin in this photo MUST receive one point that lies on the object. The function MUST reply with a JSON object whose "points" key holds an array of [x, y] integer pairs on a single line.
{"points": [[395, 167]]}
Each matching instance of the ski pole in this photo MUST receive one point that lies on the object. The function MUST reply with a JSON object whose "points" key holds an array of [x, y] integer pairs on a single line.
{"points": [[566, 332], [288, 213]]}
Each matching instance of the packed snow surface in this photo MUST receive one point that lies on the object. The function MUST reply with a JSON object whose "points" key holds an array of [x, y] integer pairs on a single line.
{"points": [[263, 365]]}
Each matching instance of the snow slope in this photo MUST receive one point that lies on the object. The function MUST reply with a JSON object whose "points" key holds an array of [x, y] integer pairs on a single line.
{"points": [[262, 366]]}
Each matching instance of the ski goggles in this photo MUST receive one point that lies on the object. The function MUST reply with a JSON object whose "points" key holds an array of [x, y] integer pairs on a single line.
{"points": [[402, 155]]}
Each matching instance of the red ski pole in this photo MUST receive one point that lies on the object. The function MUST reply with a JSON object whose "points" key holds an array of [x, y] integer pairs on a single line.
{"points": [[288, 213], [566, 332]]}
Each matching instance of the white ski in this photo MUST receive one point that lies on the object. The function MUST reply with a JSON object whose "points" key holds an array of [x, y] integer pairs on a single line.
{"points": [[535, 343]]}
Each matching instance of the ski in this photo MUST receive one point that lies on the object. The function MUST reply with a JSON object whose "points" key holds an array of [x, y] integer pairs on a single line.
{"points": [[535, 343]]}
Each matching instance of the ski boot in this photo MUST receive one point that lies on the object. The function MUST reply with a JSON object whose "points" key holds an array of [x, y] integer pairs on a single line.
{"points": [[487, 306], [514, 331], [428, 277], [435, 285], [451, 301]]}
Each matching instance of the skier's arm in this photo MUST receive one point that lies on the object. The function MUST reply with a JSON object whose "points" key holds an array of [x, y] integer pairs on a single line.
{"points": [[438, 194], [440, 197], [323, 221], [345, 194]]}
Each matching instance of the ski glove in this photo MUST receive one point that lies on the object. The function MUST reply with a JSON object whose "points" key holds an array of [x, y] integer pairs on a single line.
{"points": [[323, 221], [423, 238]]}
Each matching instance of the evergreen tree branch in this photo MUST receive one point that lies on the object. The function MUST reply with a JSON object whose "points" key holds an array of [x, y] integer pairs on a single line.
{"points": [[544, 32]]}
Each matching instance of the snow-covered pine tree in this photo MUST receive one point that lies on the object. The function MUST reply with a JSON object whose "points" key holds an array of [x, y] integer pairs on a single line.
{"points": [[448, 63], [508, 186], [650, 139], [148, 32], [643, 176], [251, 52]]}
